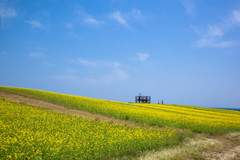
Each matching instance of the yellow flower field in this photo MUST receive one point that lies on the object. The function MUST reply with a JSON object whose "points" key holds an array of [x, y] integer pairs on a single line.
{"points": [[196, 119], [28, 132]]}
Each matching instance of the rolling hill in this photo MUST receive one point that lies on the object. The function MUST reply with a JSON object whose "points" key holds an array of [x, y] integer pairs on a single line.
{"points": [[89, 128]]}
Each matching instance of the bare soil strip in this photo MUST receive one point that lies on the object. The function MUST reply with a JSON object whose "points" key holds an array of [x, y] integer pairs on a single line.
{"points": [[62, 109], [189, 147], [225, 147]]}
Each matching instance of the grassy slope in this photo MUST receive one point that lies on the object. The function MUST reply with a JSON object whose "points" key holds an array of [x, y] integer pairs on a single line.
{"points": [[197, 119], [28, 132]]}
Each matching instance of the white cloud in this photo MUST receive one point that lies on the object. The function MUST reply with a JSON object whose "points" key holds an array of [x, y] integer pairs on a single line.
{"points": [[127, 17], [142, 56], [6, 12], [97, 63], [136, 13], [69, 78], [214, 43], [118, 18], [34, 23], [48, 64], [115, 76], [86, 62], [69, 70], [189, 6], [107, 71], [119, 74], [69, 25], [91, 20], [214, 31], [236, 16], [109, 64], [74, 34], [203, 42], [224, 44], [214, 35], [88, 19], [34, 55], [196, 30]]}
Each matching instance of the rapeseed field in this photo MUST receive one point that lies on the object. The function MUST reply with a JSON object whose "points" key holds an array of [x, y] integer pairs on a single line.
{"points": [[196, 119], [29, 132]]}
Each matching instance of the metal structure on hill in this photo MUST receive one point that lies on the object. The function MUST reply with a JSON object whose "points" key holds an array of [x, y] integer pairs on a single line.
{"points": [[142, 99]]}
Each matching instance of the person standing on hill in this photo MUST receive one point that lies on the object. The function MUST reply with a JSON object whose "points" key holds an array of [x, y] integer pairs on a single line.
{"points": [[162, 101]]}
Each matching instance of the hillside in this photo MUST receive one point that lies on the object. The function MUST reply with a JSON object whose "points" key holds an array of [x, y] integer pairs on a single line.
{"points": [[196, 119], [151, 127]]}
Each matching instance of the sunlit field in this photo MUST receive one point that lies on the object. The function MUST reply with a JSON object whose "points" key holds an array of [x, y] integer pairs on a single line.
{"points": [[196, 119], [28, 132]]}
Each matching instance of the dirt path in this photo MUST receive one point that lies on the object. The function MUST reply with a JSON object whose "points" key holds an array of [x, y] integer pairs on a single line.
{"points": [[222, 147], [225, 147], [62, 109]]}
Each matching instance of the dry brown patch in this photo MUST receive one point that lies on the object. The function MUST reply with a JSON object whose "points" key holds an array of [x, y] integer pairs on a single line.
{"points": [[189, 149], [204, 146], [62, 109]]}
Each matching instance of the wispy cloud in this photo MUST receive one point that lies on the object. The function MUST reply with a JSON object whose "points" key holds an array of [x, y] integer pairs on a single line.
{"points": [[6, 12], [34, 23], [86, 62], [117, 16], [115, 76], [119, 74], [91, 20], [69, 70], [98, 63], [88, 19], [48, 64], [236, 16], [142, 56], [74, 34], [224, 44], [107, 71], [128, 17], [213, 36], [215, 31], [68, 78], [136, 13], [35, 55], [189, 6], [214, 43], [69, 25]]}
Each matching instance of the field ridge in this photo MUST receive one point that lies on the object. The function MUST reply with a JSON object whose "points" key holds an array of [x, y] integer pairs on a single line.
{"points": [[62, 109], [204, 146], [196, 119]]}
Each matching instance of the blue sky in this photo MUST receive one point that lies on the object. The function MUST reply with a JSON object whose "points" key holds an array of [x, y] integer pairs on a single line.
{"points": [[182, 51]]}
